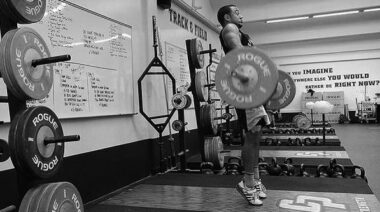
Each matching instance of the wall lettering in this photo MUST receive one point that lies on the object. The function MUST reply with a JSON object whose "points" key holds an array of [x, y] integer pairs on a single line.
{"points": [[185, 23]]}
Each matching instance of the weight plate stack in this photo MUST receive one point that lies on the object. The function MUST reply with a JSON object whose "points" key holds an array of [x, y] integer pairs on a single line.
{"points": [[213, 147], [208, 123]]}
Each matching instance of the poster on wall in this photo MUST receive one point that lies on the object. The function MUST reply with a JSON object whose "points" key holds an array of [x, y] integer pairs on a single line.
{"points": [[359, 80]]}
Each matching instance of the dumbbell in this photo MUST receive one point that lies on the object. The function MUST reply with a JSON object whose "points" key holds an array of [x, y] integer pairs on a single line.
{"points": [[234, 166], [312, 142], [295, 142], [207, 168], [332, 170], [272, 142], [361, 174], [287, 167], [317, 142], [263, 166], [330, 131], [303, 172], [274, 169], [227, 137]]}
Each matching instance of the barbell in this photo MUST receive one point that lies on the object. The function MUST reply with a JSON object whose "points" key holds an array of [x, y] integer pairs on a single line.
{"points": [[245, 78]]}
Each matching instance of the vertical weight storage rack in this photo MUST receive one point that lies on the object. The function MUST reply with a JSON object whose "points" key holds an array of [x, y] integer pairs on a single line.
{"points": [[18, 104], [197, 104], [156, 62]]}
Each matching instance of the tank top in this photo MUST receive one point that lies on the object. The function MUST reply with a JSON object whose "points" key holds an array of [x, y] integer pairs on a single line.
{"points": [[245, 41]]}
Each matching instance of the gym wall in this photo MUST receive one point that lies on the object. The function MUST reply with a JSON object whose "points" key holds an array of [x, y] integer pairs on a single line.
{"points": [[115, 151], [173, 35], [336, 65], [344, 46]]}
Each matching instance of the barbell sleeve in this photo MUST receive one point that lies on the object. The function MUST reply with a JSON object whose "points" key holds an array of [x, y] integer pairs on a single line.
{"points": [[183, 152], [242, 78], [210, 85], [49, 60], [207, 51], [177, 101], [225, 117], [3, 99], [68, 138]]}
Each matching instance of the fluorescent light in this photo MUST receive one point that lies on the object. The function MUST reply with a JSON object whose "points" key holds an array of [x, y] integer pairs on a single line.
{"points": [[334, 14], [287, 19], [372, 9]]}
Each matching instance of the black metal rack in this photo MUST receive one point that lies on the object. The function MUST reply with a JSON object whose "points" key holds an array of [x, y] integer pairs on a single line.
{"points": [[15, 105], [197, 104], [156, 62]]}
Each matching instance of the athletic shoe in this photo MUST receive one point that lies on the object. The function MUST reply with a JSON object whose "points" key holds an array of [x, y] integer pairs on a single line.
{"points": [[250, 194], [261, 189]]}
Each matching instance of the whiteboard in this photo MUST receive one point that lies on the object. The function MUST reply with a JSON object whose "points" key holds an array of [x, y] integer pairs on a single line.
{"points": [[98, 80], [178, 65]]}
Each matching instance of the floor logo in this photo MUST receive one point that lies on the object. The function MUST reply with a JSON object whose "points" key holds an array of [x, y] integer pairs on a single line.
{"points": [[309, 204], [314, 154], [362, 204]]}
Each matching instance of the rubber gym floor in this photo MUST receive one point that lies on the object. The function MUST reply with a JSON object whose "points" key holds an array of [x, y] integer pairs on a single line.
{"points": [[359, 145]]}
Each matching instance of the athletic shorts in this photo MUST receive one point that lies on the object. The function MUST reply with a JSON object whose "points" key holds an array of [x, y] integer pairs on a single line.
{"points": [[250, 118]]}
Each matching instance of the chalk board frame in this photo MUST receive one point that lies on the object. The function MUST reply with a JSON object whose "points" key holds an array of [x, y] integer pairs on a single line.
{"points": [[132, 95]]}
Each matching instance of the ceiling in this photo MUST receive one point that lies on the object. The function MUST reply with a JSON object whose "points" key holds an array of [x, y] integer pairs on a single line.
{"points": [[255, 12]]}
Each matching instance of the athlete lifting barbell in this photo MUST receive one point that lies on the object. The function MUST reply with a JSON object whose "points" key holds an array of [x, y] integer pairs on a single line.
{"points": [[246, 78]]}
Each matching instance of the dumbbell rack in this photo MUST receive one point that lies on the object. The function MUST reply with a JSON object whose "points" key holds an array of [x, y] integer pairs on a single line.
{"points": [[197, 104]]}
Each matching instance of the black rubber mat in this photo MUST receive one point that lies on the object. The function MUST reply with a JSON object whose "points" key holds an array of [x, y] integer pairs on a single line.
{"points": [[329, 142], [311, 161], [195, 161], [313, 184], [303, 148], [174, 192], [122, 208]]}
